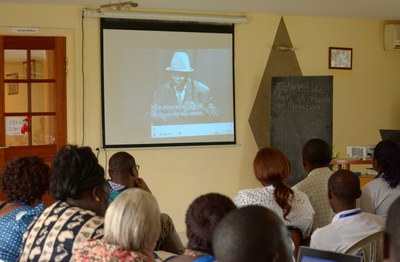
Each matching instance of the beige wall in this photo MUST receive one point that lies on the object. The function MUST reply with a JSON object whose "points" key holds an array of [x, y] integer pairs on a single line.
{"points": [[365, 98]]}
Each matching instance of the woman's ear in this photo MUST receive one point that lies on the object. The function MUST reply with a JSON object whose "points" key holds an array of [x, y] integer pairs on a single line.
{"points": [[100, 196], [96, 194]]}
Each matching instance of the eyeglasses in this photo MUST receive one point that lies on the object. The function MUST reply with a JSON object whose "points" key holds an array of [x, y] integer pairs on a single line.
{"points": [[137, 167]]}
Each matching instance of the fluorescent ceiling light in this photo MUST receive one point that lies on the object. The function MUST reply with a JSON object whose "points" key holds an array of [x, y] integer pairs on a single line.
{"points": [[164, 16]]}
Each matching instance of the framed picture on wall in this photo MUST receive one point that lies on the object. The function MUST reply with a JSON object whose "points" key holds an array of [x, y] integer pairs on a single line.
{"points": [[12, 88], [340, 58]]}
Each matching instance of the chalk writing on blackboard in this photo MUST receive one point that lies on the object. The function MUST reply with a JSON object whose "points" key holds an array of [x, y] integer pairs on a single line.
{"points": [[301, 110]]}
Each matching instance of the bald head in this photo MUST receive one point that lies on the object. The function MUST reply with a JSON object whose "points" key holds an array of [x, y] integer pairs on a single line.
{"points": [[251, 233], [343, 190]]}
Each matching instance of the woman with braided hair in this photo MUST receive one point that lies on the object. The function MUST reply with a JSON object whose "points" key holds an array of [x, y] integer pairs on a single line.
{"points": [[272, 168]]}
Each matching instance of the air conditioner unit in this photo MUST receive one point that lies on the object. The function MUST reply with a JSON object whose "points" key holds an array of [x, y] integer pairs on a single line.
{"points": [[392, 37], [360, 152]]}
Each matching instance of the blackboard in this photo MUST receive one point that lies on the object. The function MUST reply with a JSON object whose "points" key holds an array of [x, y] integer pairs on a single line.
{"points": [[301, 110]]}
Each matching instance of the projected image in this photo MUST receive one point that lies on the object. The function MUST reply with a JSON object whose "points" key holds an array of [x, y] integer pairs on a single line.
{"points": [[167, 87], [182, 99]]}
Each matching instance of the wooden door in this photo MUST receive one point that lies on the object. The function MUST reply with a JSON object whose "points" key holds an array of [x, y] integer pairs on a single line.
{"points": [[33, 97]]}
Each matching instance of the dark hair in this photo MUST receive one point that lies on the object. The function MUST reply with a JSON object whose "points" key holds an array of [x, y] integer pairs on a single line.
{"points": [[251, 233], [121, 162], [75, 170], [317, 153], [202, 217], [25, 179], [272, 167], [345, 185], [387, 154]]}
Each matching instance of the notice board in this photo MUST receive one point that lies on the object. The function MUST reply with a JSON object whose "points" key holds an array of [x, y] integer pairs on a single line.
{"points": [[301, 110]]}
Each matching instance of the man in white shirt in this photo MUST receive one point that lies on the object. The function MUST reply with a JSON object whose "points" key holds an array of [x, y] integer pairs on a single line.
{"points": [[391, 243], [350, 224], [317, 155]]}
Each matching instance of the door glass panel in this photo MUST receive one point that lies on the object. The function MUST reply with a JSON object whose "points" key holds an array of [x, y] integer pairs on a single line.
{"points": [[16, 97], [41, 64], [14, 134], [13, 63], [43, 130], [43, 97]]}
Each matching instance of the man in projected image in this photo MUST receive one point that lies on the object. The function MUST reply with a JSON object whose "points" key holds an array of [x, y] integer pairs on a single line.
{"points": [[182, 99]]}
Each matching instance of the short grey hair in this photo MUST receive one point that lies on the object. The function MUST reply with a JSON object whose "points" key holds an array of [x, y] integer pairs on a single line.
{"points": [[133, 220]]}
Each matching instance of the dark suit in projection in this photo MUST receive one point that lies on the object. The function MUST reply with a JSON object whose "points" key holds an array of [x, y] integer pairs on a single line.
{"points": [[182, 100]]}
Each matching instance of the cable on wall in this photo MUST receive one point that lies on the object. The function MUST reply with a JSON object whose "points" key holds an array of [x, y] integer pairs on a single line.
{"points": [[83, 78]]}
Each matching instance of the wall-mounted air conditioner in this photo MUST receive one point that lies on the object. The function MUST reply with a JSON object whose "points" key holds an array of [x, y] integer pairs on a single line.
{"points": [[392, 37]]}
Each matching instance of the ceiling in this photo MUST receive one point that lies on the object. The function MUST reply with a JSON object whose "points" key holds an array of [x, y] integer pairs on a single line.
{"points": [[359, 9]]}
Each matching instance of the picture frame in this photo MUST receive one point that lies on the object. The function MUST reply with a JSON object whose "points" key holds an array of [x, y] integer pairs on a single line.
{"points": [[340, 58], [12, 88]]}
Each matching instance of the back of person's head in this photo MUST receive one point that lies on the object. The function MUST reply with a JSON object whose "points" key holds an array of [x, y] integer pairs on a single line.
{"points": [[317, 153], [251, 233], [391, 240], [202, 217], [133, 220], [345, 185], [387, 156], [25, 179], [272, 167], [121, 163], [75, 171]]}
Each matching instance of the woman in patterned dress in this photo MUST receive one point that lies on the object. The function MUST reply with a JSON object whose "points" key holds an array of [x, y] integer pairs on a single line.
{"points": [[78, 183]]}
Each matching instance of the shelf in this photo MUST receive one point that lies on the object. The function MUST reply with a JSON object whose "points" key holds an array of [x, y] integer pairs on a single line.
{"points": [[345, 163]]}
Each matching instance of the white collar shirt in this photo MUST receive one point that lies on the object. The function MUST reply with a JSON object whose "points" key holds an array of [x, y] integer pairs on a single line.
{"points": [[377, 197], [180, 95], [347, 228]]}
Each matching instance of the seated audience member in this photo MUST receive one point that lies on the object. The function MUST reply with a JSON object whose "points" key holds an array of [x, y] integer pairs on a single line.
{"points": [[131, 229], [202, 217], [382, 191], [252, 233], [124, 174], [317, 156], [391, 243], [78, 183], [24, 181], [272, 168], [349, 224]]}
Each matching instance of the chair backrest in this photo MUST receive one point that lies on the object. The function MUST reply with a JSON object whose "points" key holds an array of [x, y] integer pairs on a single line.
{"points": [[295, 234], [368, 248]]}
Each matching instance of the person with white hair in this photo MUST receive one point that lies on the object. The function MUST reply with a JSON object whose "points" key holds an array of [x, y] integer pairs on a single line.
{"points": [[131, 229], [182, 98]]}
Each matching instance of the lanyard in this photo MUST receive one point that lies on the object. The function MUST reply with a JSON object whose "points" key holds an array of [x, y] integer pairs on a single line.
{"points": [[350, 214]]}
